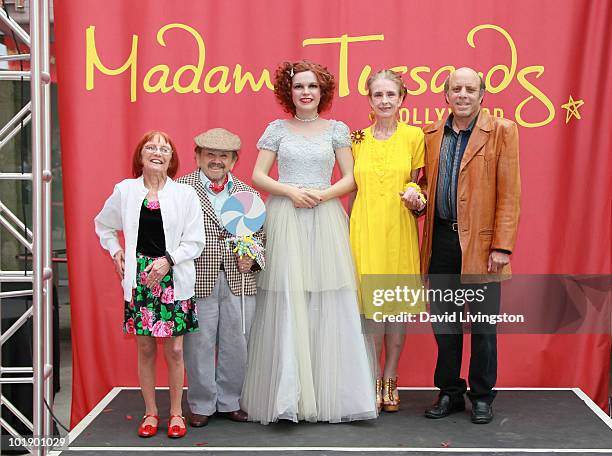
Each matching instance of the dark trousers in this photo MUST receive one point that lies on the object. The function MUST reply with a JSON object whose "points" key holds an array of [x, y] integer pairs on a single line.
{"points": [[445, 273]]}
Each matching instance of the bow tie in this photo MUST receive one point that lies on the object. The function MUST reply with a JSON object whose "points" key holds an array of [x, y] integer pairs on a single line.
{"points": [[217, 188]]}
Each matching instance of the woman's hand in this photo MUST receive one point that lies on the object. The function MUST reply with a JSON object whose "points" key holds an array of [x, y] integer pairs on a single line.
{"points": [[319, 194], [119, 260], [304, 198], [412, 199], [156, 271]]}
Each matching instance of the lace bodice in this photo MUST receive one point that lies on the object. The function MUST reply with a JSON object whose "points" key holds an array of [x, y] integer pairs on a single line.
{"points": [[305, 161]]}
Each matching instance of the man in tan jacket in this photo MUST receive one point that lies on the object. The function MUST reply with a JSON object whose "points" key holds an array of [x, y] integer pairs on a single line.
{"points": [[472, 185]]}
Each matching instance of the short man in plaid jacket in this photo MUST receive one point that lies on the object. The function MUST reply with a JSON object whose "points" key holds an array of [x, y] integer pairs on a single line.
{"points": [[217, 388]]}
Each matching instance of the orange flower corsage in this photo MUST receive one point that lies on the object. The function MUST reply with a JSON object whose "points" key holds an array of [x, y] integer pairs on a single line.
{"points": [[357, 136]]}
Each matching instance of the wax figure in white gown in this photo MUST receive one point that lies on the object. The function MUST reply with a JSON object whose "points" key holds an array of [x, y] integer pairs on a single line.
{"points": [[308, 359]]}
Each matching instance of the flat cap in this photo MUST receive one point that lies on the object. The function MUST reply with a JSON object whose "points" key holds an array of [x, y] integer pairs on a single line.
{"points": [[218, 139]]}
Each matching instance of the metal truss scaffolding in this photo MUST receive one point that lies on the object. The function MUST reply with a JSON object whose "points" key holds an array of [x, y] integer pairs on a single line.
{"points": [[38, 239]]}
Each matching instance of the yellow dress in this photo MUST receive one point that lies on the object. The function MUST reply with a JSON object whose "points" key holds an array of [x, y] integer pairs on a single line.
{"points": [[384, 236]]}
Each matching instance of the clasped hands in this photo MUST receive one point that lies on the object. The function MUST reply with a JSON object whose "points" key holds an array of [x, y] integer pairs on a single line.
{"points": [[305, 197], [155, 271], [412, 199]]}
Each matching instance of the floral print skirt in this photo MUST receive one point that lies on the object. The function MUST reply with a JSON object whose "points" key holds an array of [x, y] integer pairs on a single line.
{"points": [[153, 311]]}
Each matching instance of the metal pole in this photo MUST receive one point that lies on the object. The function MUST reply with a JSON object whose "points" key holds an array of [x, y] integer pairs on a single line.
{"points": [[47, 241], [4, 58], [40, 275], [37, 223], [16, 118], [16, 276], [14, 131], [15, 176], [6, 75], [15, 27]]}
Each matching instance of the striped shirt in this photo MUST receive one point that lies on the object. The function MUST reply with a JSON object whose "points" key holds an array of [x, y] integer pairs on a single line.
{"points": [[451, 152]]}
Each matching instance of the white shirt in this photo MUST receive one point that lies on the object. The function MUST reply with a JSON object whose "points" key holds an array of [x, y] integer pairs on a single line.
{"points": [[183, 230]]}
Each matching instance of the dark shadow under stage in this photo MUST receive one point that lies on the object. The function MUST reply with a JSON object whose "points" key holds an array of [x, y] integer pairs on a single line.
{"points": [[543, 421]]}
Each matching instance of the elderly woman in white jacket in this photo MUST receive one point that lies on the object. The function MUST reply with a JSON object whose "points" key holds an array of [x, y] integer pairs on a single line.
{"points": [[163, 230]]}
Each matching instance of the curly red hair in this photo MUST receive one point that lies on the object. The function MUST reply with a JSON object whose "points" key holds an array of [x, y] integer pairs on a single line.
{"points": [[284, 76], [137, 157]]}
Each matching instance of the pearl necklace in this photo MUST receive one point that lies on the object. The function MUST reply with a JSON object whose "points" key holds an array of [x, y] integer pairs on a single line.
{"points": [[306, 120]]}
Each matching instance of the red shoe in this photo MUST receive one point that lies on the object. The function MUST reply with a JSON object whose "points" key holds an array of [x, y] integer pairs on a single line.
{"points": [[176, 431], [148, 430]]}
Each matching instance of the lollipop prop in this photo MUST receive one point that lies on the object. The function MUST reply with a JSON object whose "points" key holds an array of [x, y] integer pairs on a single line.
{"points": [[242, 215]]}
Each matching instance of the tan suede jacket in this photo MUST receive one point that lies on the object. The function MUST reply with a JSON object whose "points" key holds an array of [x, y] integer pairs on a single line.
{"points": [[488, 194]]}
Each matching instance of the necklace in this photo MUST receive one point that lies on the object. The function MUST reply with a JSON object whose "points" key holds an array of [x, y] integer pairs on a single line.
{"points": [[306, 120]]}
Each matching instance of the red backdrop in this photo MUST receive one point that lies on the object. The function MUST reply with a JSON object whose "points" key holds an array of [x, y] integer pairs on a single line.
{"points": [[127, 67]]}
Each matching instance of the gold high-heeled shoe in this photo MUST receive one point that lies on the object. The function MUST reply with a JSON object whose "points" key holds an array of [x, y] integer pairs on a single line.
{"points": [[391, 400], [379, 397]]}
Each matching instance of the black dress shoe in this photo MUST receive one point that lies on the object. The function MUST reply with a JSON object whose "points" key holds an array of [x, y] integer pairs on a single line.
{"points": [[236, 415], [444, 406], [482, 412], [196, 420]]}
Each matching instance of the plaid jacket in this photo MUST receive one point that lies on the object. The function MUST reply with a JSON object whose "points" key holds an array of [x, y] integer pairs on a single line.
{"points": [[208, 264]]}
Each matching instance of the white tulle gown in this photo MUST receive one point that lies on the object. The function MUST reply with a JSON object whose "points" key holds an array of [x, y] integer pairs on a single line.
{"points": [[308, 358]]}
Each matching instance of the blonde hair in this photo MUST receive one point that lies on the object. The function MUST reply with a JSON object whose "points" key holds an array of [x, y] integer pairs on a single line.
{"points": [[390, 75]]}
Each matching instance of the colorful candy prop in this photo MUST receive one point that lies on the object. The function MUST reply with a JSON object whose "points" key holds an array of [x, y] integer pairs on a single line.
{"points": [[242, 215]]}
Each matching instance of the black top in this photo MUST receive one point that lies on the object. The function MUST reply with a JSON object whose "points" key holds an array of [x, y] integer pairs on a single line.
{"points": [[151, 241]]}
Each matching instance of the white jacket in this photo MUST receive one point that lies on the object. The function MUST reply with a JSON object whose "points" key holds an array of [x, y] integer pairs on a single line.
{"points": [[183, 230]]}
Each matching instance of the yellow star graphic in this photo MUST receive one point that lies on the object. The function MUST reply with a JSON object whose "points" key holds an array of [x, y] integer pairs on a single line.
{"points": [[572, 109]]}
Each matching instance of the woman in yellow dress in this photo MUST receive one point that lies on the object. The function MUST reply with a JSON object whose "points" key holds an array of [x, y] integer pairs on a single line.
{"points": [[388, 157]]}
